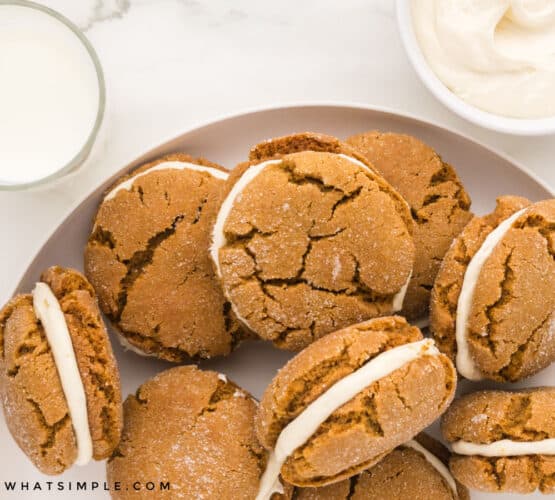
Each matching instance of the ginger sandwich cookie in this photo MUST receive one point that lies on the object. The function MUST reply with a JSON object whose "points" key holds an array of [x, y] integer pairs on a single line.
{"points": [[493, 301], [193, 429], [59, 381], [347, 400], [311, 241], [147, 258], [439, 204], [503, 441], [418, 469]]}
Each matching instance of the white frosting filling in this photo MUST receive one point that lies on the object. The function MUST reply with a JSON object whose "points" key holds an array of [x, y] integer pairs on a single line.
{"points": [[436, 463], [356, 162], [48, 311], [506, 448], [465, 364], [128, 346], [299, 430], [496, 55], [218, 234], [399, 297], [167, 165]]}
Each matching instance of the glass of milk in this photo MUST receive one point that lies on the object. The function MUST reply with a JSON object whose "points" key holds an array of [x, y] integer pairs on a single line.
{"points": [[52, 95]]}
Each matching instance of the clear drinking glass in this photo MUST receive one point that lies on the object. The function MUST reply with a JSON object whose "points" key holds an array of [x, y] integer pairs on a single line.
{"points": [[85, 148]]}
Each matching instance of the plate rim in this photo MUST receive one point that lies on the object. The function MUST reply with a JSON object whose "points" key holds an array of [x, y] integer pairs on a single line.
{"points": [[201, 124]]}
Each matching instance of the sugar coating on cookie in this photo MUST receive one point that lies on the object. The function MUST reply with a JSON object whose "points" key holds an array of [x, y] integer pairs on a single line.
{"points": [[297, 432], [147, 258], [308, 243], [493, 302], [313, 141], [503, 441], [435, 462], [417, 469], [380, 372], [439, 203], [165, 165], [465, 364], [40, 412], [194, 430]]}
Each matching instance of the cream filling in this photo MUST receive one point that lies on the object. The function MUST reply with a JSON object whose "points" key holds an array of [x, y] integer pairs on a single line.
{"points": [[128, 346], [505, 448], [399, 297], [167, 165], [465, 363], [436, 463], [48, 311], [356, 162], [299, 430], [218, 234], [497, 55]]}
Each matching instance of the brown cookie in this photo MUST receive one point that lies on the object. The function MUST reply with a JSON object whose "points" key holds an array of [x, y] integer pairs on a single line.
{"points": [[311, 141], [147, 258], [396, 398], [405, 473], [311, 242], [35, 406], [193, 429], [505, 322], [439, 203], [481, 424]]}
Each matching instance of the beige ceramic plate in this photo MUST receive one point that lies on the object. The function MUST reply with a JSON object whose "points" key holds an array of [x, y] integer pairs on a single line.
{"points": [[486, 174]]}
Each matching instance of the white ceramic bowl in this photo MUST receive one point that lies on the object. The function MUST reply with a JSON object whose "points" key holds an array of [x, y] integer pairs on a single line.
{"points": [[517, 126]]}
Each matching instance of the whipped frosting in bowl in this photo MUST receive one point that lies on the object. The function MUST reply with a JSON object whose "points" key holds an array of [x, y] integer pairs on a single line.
{"points": [[490, 61]]}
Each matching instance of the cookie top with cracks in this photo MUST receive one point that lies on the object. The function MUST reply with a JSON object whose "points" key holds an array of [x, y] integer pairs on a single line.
{"points": [[448, 283], [146, 261], [511, 328], [439, 204], [403, 473], [382, 416], [483, 417], [528, 473], [511, 323], [312, 141], [34, 404], [313, 243], [194, 429]]}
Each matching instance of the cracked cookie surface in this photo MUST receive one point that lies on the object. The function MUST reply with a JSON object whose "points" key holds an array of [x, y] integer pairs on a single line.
{"points": [[147, 258], [511, 325], [313, 243], [403, 473], [439, 203], [322, 143], [487, 416], [34, 404], [384, 415], [193, 429]]}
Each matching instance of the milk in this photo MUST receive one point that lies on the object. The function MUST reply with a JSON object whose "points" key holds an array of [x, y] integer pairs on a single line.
{"points": [[49, 95]]}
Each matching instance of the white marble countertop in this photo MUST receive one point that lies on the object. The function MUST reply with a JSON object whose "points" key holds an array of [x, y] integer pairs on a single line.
{"points": [[171, 64]]}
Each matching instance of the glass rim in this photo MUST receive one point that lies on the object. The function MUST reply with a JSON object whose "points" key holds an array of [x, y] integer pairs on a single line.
{"points": [[84, 151]]}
